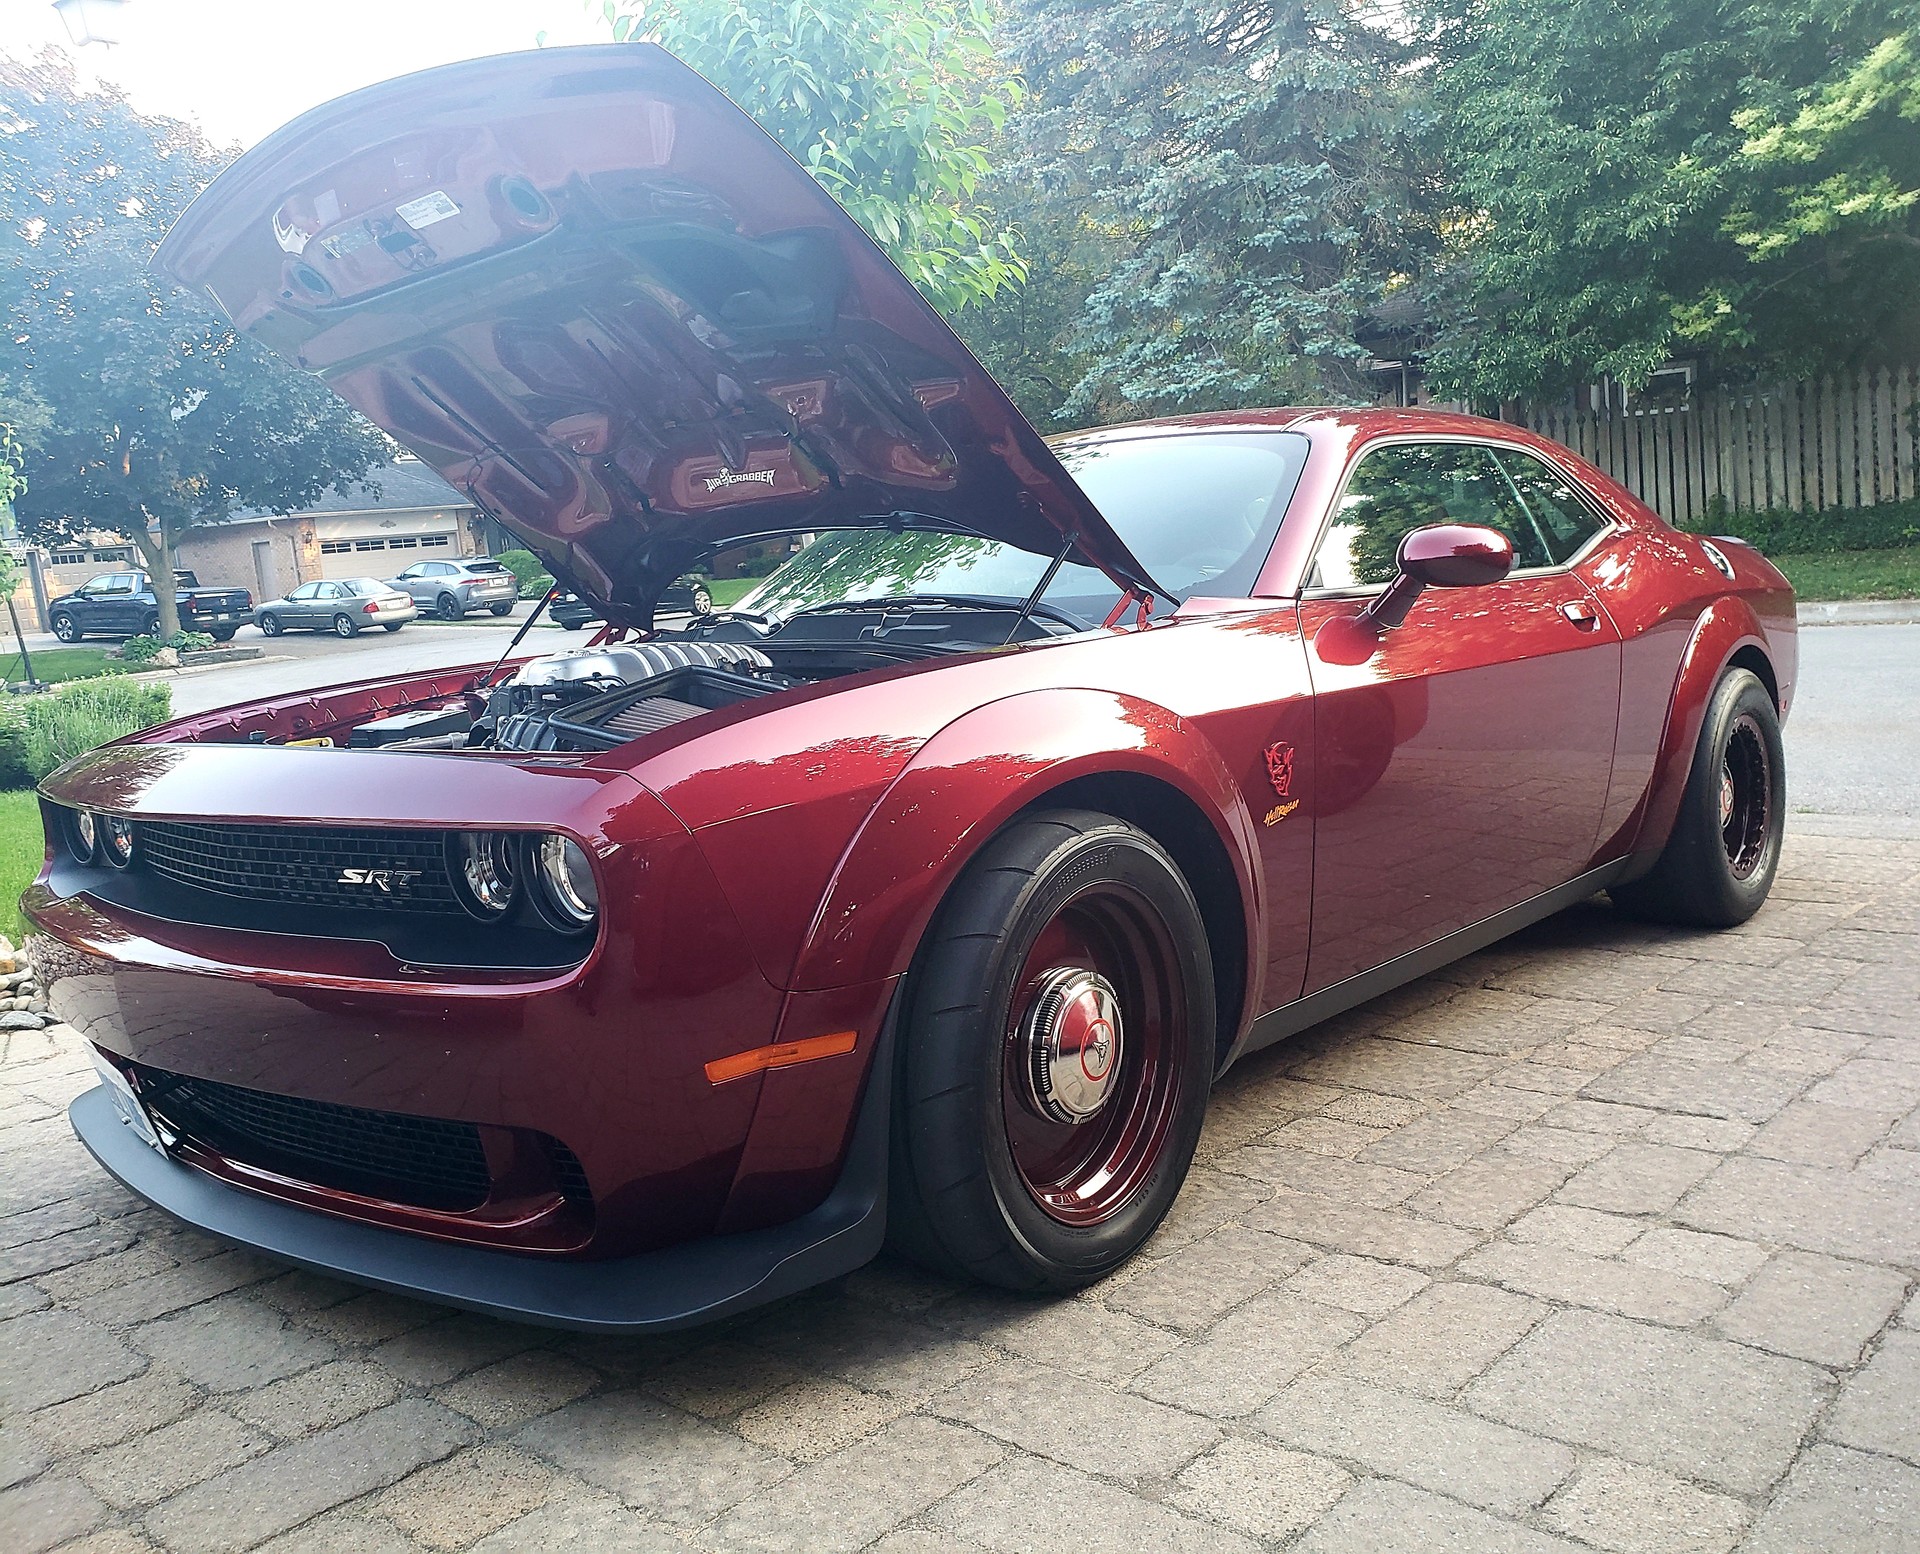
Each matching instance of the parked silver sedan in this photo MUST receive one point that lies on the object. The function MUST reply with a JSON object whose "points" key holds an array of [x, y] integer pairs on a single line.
{"points": [[343, 606]]}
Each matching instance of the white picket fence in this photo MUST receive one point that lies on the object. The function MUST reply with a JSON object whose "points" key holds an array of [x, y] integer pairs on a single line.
{"points": [[1840, 442]]}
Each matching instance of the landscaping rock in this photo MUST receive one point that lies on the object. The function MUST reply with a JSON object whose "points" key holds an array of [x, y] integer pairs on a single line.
{"points": [[22, 1020]]}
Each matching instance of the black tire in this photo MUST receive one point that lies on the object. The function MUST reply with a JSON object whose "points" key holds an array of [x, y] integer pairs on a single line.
{"points": [[1719, 863], [447, 608], [270, 624], [65, 627], [702, 599], [393, 625], [500, 609], [571, 625], [344, 625], [1053, 892], [152, 627], [223, 633]]}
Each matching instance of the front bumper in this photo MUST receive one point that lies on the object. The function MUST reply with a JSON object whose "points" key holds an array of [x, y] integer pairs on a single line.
{"points": [[678, 1286]]}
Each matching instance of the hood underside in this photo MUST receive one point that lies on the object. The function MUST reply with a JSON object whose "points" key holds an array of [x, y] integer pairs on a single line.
{"points": [[596, 297]]}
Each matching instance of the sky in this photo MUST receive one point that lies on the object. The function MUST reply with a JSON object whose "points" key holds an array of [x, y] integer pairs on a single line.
{"points": [[242, 68]]}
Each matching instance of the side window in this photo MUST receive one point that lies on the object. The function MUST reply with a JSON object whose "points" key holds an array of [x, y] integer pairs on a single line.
{"points": [[93, 587], [1406, 486], [1564, 521], [118, 584], [305, 591], [328, 591], [442, 569]]}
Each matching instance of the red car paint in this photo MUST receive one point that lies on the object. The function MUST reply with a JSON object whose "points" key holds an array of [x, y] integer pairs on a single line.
{"points": [[767, 871]]}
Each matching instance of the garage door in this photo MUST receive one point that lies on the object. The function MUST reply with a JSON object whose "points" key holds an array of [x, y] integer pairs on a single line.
{"points": [[380, 555]]}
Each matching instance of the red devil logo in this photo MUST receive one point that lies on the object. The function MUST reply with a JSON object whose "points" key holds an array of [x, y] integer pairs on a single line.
{"points": [[1280, 768]]}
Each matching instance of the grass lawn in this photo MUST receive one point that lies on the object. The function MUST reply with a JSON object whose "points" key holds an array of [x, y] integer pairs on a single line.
{"points": [[1854, 574], [21, 849], [731, 590], [56, 664]]}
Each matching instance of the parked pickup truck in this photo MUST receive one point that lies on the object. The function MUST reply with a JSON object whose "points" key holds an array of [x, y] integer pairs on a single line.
{"points": [[122, 604]]}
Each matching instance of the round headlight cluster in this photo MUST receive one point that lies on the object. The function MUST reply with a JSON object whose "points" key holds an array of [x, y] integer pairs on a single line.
{"points": [[490, 869], [83, 835], [98, 838]]}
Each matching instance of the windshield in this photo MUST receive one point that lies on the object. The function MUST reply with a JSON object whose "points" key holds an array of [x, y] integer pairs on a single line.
{"points": [[1199, 509]]}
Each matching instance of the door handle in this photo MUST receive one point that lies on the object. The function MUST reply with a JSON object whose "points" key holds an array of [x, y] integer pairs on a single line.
{"points": [[1582, 615]]}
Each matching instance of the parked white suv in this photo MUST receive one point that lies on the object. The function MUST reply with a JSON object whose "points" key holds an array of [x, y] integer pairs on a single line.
{"points": [[451, 588]]}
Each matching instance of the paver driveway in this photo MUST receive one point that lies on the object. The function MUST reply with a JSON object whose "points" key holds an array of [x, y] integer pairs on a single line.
{"points": [[1605, 1237]]}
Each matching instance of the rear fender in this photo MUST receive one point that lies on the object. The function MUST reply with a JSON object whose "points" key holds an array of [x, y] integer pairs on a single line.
{"points": [[1725, 628], [968, 781]]}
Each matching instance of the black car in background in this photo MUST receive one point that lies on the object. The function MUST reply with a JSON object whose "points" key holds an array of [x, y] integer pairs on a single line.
{"points": [[123, 604], [688, 596]]}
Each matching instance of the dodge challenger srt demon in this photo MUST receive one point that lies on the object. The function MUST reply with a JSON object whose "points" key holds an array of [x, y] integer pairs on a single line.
{"points": [[923, 897]]}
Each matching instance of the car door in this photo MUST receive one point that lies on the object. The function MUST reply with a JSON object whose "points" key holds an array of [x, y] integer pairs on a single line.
{"points": [[408, 581], [113, 608], [298, 608], [1462, 768], [326, 604]]}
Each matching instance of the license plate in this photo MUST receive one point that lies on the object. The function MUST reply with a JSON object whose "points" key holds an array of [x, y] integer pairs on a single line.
{"points": [[132, 1112]]}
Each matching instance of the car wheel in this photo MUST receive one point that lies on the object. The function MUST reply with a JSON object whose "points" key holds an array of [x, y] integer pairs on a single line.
{"points": [[1055, 1057], [150, 627], [344, 625], [393, 625], [66, 628], [270, 625], [702, 599], [223, 633], [1719, 864], [448, 608], [571, 625], [501, 609]]}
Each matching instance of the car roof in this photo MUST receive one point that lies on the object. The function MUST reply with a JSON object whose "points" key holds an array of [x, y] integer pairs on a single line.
{"points": [[1367, 420]]}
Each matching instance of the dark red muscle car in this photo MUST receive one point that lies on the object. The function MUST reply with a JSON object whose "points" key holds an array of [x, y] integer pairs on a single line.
{"points": [[924, 898]]}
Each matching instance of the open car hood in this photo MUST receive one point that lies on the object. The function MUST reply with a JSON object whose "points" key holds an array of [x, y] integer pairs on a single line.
{"points": [[598, 298]]}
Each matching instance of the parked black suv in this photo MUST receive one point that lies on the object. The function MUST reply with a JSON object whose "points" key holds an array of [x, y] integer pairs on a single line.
{"points": [[122, 604]]}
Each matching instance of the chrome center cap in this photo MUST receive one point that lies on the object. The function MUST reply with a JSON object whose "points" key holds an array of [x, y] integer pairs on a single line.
{"points": [[1073, 1044], [1726, 795]]}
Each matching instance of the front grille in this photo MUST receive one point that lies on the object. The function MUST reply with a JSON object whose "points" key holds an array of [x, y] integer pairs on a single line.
{"points": [[306, 864], [425, 1161], [569, 1174]]}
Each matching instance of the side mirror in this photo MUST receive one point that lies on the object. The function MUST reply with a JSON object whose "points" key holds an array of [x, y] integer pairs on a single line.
{"points": [[1442, 555]]}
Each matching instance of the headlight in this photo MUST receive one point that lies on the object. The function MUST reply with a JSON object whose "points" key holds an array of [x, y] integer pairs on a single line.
{"points": [[82, 835], [486, 876], [115, 833], [568, 896]]}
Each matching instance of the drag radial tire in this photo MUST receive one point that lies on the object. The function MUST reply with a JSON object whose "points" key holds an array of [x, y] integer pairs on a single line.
{"points": [[1719, 863], [1055, 1057]]}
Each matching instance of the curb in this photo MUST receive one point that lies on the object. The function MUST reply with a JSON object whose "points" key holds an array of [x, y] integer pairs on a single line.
{"points": [[1860, 612]]}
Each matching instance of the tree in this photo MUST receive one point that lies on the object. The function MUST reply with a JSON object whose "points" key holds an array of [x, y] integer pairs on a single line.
{"points": [[1244, 182], [151, 413], [1733, 179], [888, 106]]}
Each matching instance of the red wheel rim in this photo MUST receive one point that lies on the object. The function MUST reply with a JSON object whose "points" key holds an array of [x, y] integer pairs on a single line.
{"points": [[1085, 1172], [1746, 797]]}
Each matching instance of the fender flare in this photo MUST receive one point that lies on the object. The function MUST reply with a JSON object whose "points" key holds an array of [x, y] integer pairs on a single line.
{"points": [[968, 780], [1727, 627]]}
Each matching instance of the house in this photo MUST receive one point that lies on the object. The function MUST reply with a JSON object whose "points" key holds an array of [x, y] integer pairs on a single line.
{"points": [[409, 514]]}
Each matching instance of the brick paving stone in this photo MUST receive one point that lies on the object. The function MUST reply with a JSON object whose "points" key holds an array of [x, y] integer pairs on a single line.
{"points": [[881, 1353], [1438, 1142], [1556, 1146], [1076, 1422], [1870, 1084], [50, 1356], [847, 1500], [1667, 1084], [1325, 1176], [1842, 1502], [47, 1512], [1709, 1410], [815, 1417], [1815, 1133], [1258, 1488], [1365, 1231], [1022, 1506], [579, 1519], [442, 1350], [318, 1399], [337, 1531], [1249, 1356], [472, 1493], [31, 1258], [676, 1468], [1323, 1136], [371, 1317], [231, 1343], [154, 1466], [1358, 1284], [1440, 1340], [1079, 1335], [1634, 1510], [22, 1454], [1403, 1436], [1208, 1278], [173, 1289], [18, 1299], [1719, 1134], [1400, 1068], [290, 1484], [1484, 1194], [1879, 1407], [1837, 1212], [1637, 1178], [1576, 1229], [1208, 1200], [1696, 1255], [114, 1414], [517, 1388], [1382, 1517], [720, 1379]]}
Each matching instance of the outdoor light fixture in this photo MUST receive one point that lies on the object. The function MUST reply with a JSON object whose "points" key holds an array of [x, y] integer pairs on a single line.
{"points": [[92, 21]]}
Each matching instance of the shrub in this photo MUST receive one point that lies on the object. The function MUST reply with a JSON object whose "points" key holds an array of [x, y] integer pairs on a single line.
{"points": [[13, 748], [139, 650], [532, 577], [72, 719], [1779, 531]]}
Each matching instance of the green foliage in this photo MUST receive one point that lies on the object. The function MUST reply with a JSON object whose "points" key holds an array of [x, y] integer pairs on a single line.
{"points": [[13, 748], [888, 106], [143, 649], [1734, 179], [528, 572], [1783, 531], [1855, 574], [51, 665], [149, 413], [1244, 183], [72, 719], [23, 846]]}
